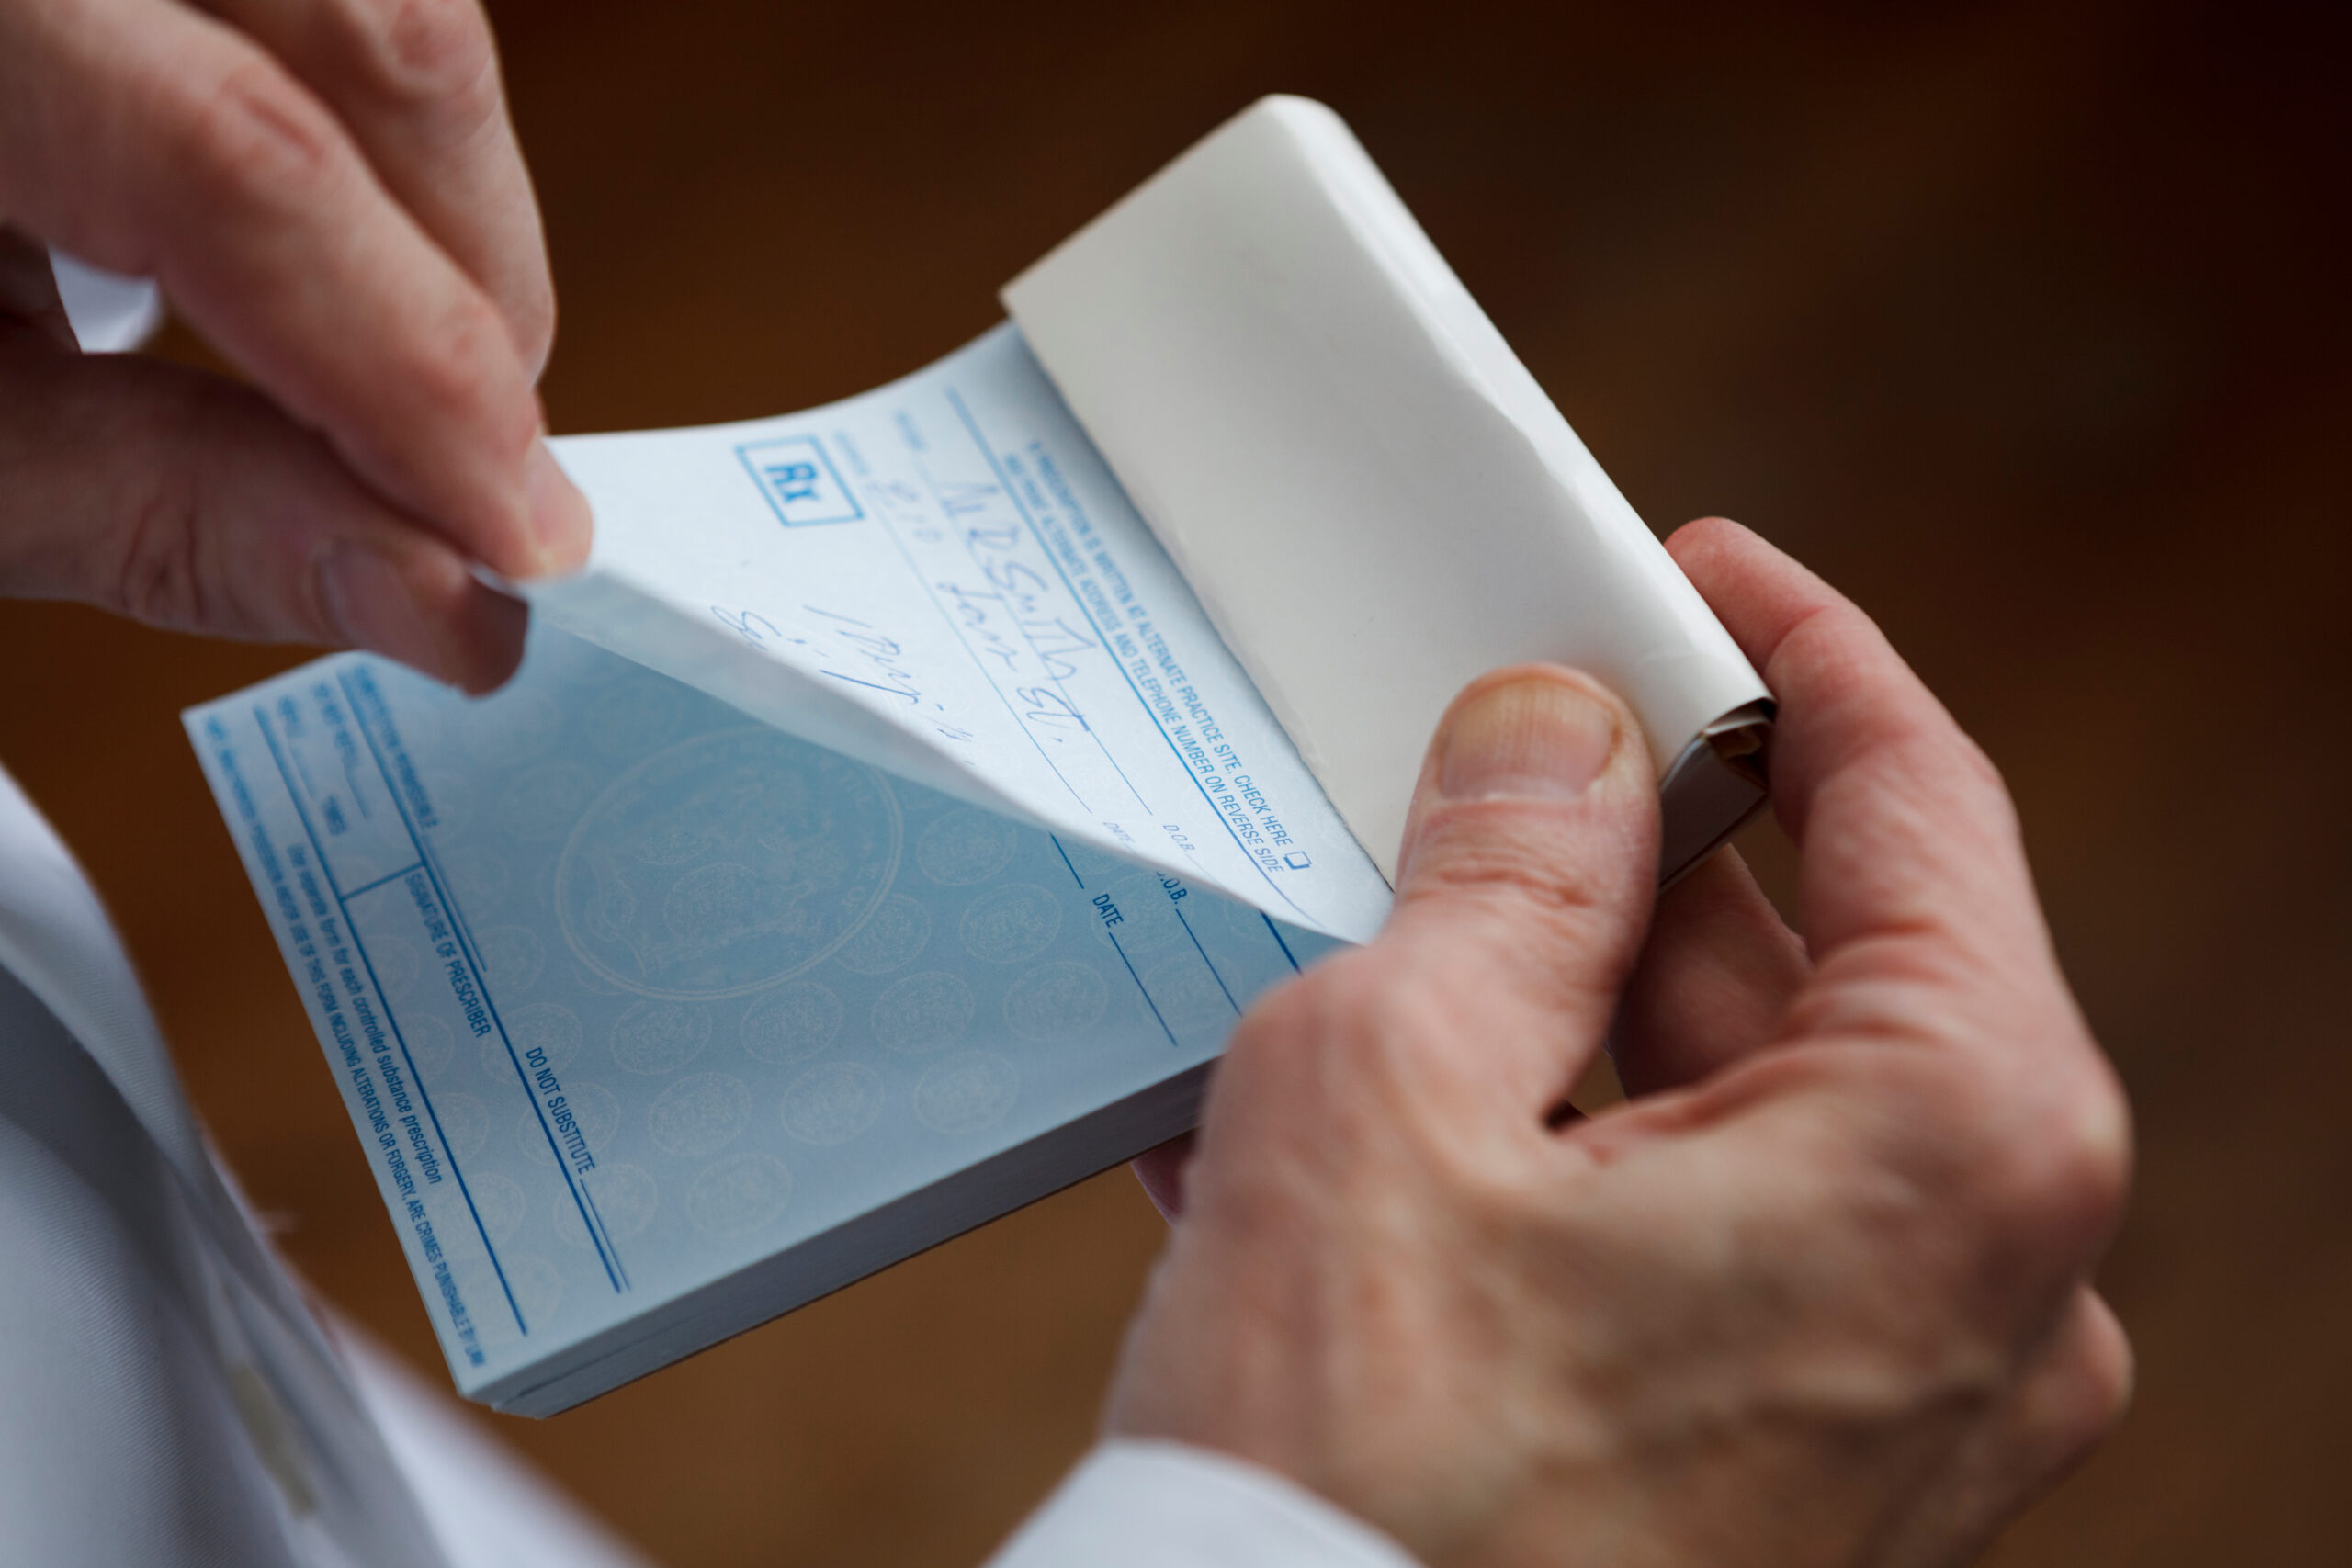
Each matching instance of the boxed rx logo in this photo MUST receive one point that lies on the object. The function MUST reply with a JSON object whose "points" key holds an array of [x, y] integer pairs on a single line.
{"points": [[799, 481]]}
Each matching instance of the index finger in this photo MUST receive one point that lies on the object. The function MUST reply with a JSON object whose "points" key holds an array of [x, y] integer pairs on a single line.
{"points": [[1905, 828], [150, 138], [416, 84]]}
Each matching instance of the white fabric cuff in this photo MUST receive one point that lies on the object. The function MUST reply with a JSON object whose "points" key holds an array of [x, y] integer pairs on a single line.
{"points": [[1163, 1505]]}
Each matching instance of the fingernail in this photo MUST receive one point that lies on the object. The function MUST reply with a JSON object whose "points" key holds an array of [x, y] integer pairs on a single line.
{"points": [[369, 605], [560, 517], [1537, 737]]}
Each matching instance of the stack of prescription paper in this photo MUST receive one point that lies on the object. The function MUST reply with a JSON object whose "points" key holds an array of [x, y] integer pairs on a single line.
{"points": [[890, 823]]}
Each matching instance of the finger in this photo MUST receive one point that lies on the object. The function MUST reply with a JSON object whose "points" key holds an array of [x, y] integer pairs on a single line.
{"points": [[1160, 1170], [1528, 868], [152, 139], [1911, 850], [416, 84], [2073, 1390], [191, 503], [1713, 982]]}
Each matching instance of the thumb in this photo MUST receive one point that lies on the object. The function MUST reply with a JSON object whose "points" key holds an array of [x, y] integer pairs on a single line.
{"points": [[1529, 865], [184, 500]]}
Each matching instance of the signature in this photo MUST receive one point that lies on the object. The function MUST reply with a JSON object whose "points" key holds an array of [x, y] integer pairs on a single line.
{"points": [[848, 650]]}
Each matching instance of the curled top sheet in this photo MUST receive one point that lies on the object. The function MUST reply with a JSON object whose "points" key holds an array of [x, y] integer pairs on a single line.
{"points": [[1370, 495]]}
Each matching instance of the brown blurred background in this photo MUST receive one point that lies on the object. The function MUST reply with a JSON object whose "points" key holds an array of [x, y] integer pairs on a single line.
{"points": [[2025, 325]]}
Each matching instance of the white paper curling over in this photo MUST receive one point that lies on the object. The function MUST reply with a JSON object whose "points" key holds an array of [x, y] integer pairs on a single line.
{"points": [[1372, 496]]}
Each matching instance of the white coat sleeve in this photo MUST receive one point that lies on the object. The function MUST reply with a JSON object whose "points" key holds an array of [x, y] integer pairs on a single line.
{"points": [[1163, 1505]]}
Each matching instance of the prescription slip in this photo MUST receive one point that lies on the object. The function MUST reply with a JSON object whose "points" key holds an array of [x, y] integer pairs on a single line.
{"points": [[889, 825]]}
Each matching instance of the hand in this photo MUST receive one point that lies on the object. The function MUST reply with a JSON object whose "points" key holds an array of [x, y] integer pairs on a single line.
{"points": [[1815, 1294], [330, 191]]}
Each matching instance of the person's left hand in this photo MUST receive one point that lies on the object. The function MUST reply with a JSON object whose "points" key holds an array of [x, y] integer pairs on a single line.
{"points": [[330, 192]]}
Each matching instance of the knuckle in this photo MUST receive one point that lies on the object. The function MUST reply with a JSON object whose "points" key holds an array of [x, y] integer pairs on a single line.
{"points": [[463, 369], [1476, 866], [173, 557], [2043, 1179], [2085, 1154], [2061, 1163], [150, 567], [2099, 1398], [256, 131], [2065, 1404], [161, 577], [435, 54], [1573, 917], [1989, 1193], [2107, 1374]]}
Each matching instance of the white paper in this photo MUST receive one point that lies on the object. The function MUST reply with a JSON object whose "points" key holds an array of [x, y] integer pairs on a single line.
{"points": [[1367, 499], [653, 1023], [1373, 498], [110, 313], [940, 579]]}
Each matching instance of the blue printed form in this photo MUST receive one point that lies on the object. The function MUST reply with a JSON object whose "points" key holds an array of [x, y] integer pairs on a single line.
{"points": [[655, 1021], [941, 579], [878, 836], [883, 831]]}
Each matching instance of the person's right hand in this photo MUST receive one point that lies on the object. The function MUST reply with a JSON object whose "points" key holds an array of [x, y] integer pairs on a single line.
{"points": [[1816, 1294], [330, 192]]}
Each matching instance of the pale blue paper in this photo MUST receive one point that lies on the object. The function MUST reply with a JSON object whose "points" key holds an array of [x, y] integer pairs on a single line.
{"points": [[943, 578], [625, 993]]}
